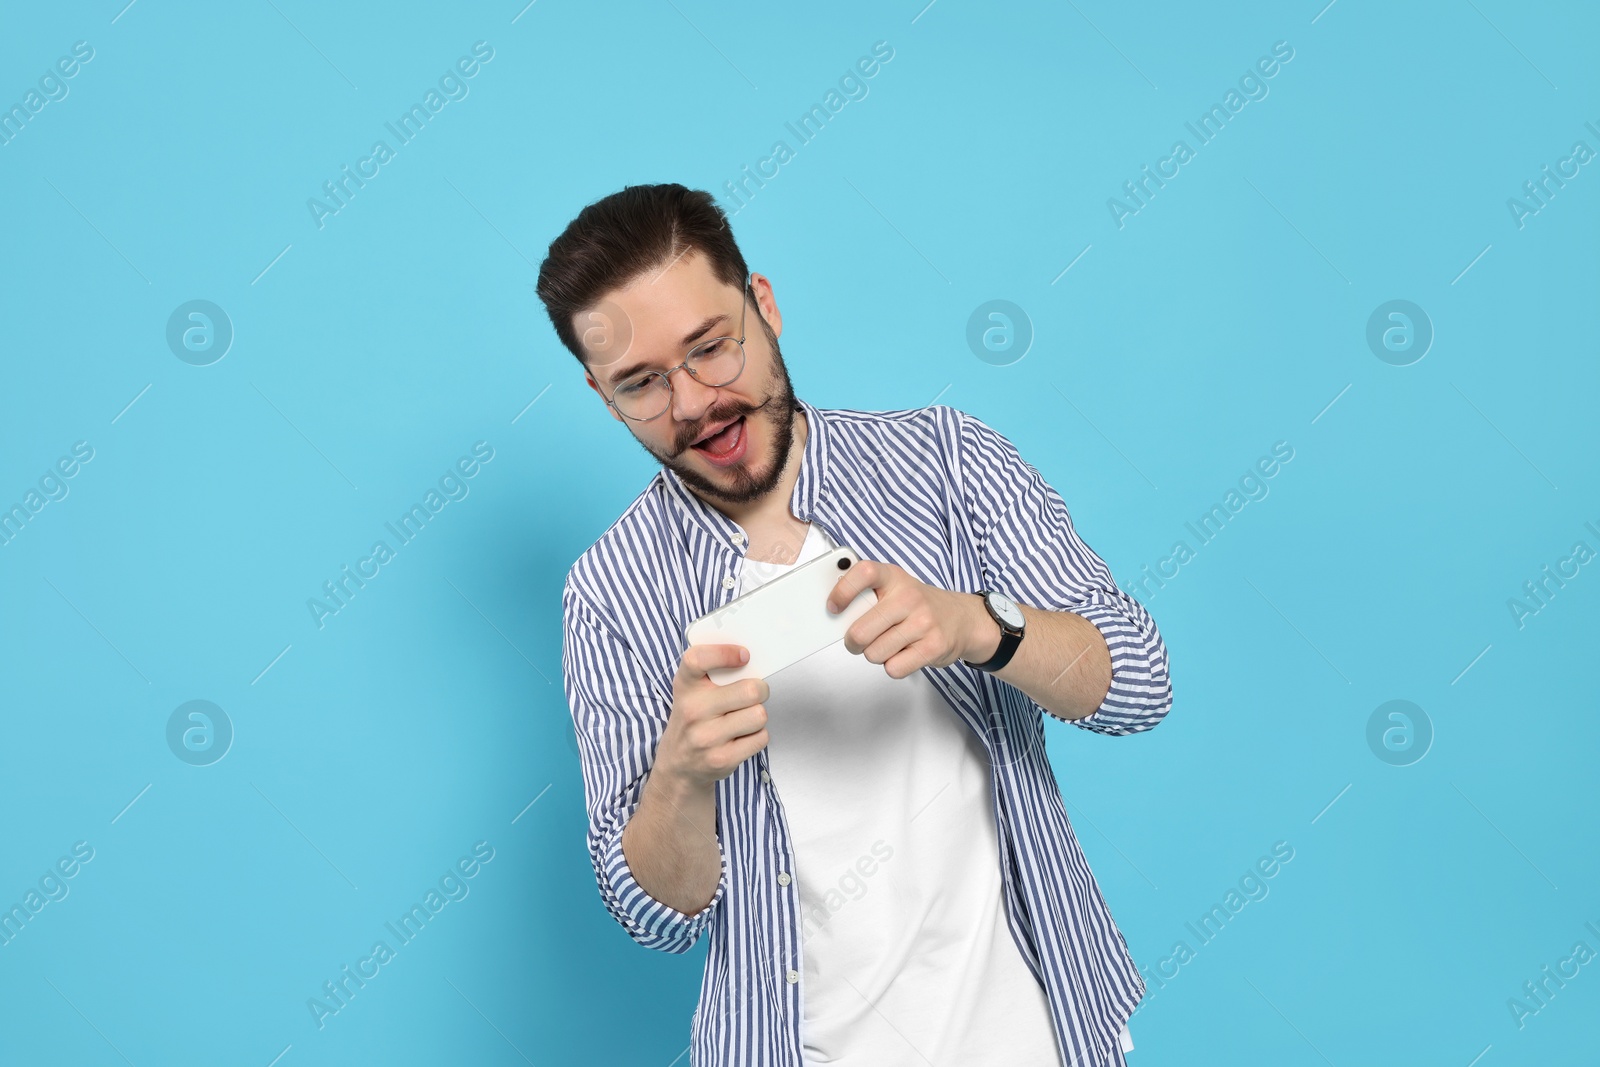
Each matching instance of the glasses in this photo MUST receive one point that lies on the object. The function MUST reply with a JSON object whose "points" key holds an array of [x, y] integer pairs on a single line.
{"points": [[713, 363]]}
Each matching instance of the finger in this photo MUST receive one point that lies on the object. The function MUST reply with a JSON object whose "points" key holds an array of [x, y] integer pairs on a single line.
{"points": [[872, 625], [737, 724], [907, 661], [889, 641], [734, 696], [742, 748], [717, 730], [698, 659], [864, 575]]}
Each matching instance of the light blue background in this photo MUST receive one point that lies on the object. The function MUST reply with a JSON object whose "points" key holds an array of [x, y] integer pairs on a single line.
{"points": [[427, 715]]}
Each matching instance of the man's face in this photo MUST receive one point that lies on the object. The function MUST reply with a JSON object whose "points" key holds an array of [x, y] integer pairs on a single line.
{"points": [[650, 324]]}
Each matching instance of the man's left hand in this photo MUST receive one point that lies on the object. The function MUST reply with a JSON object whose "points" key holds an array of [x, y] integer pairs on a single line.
{"points": [[913, 625]]}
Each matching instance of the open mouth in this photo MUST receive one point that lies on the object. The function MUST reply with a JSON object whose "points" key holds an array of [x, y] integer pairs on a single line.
{"points": [[725, 443]]}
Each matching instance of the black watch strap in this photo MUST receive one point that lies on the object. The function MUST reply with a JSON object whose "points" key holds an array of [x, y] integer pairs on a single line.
{"points": [[1009, 641]]}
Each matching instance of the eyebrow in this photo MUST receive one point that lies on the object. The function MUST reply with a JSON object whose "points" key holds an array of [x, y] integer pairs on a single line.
{"points": [[688, 339]]}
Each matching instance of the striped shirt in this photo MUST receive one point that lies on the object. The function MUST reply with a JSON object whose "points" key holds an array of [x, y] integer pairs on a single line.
{"points": [[949, 499]]}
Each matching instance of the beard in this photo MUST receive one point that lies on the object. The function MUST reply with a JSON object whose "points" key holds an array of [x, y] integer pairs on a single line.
{"points": [[752, 479]]}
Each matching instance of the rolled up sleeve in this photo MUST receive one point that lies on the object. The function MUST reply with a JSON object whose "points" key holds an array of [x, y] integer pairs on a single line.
{"points": [[1031, 552], [618, 715]]}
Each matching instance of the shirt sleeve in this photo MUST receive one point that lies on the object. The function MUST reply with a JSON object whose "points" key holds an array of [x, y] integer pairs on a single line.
{"points": [[618, 716], [1031, 552]]}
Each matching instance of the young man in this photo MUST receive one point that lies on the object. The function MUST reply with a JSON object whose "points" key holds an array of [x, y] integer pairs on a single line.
{"points": [[874, 836]]}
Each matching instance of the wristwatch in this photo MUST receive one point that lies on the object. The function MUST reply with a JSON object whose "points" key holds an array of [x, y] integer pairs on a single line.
{"points": [[1004, 611]]}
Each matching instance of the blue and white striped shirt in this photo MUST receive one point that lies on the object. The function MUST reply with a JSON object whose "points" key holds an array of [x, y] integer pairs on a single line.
{"points": [[949, 499]]}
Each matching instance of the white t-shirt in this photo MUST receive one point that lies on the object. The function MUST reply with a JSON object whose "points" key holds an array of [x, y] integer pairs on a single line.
{"points": [[886, 793]]}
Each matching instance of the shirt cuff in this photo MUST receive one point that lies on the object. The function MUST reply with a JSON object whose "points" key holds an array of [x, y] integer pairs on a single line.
{"points": [[646, 919], [1141, 692]]}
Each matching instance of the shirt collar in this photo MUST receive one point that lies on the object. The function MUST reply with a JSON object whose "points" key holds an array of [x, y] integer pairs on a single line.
{"points": [[803, 500]]}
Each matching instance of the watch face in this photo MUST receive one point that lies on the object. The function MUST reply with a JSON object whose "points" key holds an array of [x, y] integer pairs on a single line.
{"points": [[1007, 609]]}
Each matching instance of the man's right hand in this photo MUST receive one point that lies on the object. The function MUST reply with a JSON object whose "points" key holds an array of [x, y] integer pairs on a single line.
{"points": [[712, 728], [670, 841]]}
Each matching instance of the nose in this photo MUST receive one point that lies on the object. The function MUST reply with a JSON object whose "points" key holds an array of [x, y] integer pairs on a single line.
{"points": [[690, 396]]}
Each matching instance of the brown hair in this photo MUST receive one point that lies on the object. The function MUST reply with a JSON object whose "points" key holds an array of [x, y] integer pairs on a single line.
{"points": [[624, 235]]}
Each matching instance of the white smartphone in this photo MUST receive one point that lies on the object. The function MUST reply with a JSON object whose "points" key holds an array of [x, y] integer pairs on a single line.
{"points": [[785, 620]]}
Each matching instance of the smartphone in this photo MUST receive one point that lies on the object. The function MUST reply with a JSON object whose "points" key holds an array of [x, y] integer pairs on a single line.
{"points": [[785, 620]]}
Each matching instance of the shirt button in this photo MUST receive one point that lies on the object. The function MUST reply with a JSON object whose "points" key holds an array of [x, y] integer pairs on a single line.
{"points": [[737, 539], [765, 777], [727, 582], [794, 976], [783, 878]]}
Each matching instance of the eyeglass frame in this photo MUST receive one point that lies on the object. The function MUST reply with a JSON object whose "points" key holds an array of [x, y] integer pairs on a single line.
{"points": [[744, 358]]}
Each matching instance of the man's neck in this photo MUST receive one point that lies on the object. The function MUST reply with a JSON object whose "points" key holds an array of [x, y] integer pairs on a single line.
{"points": [[773, 508]]}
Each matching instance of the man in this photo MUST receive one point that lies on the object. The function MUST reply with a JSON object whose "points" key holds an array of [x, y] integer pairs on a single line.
{"points": [[874, 836]]}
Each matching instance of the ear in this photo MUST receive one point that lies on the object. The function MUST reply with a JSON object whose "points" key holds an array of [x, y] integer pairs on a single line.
{"points": [[767, 303], [589, 378]]}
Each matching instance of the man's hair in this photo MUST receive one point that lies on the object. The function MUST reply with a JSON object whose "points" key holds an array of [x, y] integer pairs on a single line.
{"points": [[616, 239]]}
